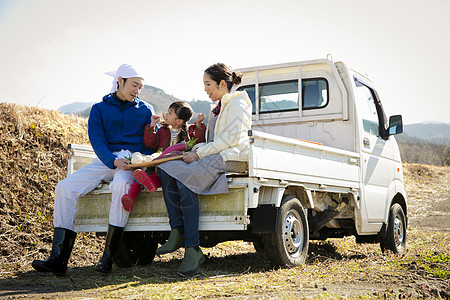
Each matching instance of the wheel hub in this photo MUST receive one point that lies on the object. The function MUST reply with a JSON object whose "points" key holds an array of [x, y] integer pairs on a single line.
{"points": [[398, 232], [293, 234]]}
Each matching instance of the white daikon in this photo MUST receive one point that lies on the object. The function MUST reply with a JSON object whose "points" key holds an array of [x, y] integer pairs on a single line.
{"points": [[137, 158], [148, 158]]}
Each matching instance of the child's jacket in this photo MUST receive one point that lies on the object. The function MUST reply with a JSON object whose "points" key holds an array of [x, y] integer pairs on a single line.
{"points": [[161, 138]]}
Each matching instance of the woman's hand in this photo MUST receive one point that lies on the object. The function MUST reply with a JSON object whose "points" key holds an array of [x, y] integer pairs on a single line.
{"points": [[190, 157], [122, 163], [155, 120], [200, 119]]}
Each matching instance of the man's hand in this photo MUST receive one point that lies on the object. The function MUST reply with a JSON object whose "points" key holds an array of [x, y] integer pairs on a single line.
{"points": [[190, 156], [122, 163]]}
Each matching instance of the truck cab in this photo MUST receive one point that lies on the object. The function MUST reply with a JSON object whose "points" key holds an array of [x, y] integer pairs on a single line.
{"points": [[336, 107]]}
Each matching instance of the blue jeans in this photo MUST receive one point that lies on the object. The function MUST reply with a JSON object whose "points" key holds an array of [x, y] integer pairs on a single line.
{"points": [[182, 207]]}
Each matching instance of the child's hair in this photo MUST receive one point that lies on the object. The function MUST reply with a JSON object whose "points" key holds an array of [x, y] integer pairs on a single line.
{"points": [[220, 71], [184, 112]]}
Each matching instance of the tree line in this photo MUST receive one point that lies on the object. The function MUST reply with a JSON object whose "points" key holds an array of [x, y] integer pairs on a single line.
{"points": [[420, 152]]}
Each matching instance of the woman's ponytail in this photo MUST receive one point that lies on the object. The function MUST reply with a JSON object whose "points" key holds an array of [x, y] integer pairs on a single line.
{"points": [[220, 71], [237, 78]]}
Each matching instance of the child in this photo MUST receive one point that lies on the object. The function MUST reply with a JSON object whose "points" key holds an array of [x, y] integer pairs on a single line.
{"points": [[173, 131]]}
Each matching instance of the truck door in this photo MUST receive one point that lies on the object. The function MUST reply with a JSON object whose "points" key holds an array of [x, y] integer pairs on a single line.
{"points": [[376, 152]]}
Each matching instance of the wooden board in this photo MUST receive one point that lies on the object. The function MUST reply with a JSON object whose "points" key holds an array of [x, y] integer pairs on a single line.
{"points": [[156, 162]]}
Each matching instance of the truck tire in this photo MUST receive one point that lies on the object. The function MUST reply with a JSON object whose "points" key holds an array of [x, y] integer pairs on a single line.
{"points": [[136, 248], [395, 237], [288, 245]]}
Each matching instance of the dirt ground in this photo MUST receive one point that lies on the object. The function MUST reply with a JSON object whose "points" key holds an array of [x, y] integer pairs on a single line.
{"points": [[428, 191], [30, 167]]}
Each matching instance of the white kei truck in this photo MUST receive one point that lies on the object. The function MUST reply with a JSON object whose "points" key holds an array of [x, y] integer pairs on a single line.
{"points": [[323, 163]]}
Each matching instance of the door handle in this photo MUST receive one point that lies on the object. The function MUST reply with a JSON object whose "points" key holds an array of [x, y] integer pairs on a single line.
{"points": [[366, 142]]}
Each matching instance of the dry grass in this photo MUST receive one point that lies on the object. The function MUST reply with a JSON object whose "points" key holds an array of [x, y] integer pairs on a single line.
{"points": [[33, 158]]}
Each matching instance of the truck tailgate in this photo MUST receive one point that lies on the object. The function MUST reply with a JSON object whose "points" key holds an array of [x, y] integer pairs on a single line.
{"points": [[217, 212]]}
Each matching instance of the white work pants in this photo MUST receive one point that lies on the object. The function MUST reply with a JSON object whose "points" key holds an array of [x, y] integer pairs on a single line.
{"points": [[84, 180]]}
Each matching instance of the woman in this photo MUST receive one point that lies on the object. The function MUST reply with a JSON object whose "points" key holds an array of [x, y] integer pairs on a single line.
{"points": [[202, 170]]}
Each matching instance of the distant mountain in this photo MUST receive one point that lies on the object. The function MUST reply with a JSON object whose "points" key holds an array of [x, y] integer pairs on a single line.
{"points": [[157, 98], [75, 107], [431, 132]]}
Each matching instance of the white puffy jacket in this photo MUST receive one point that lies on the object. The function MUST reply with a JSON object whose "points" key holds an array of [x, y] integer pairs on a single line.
{"points": [[231, 131]]}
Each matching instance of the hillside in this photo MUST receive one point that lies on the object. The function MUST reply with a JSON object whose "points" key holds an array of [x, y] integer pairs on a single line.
{"points": [[157, 97], [33, 158], [419, 151]]}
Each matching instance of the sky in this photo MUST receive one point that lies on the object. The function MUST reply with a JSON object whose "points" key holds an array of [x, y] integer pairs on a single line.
{"points": [[55, 52]]}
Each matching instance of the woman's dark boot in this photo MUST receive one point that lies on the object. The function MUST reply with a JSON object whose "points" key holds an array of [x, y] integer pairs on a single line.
{"points": [[193, 258], [174, 242], [63, 240], [112, 241]]}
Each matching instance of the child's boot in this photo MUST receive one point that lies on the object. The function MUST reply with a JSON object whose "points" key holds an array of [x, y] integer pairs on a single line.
{"points": [[151, 182], [129, 199]]}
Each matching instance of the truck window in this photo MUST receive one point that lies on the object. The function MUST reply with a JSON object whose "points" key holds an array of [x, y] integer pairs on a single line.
{"points": [[251, 94], [366, 108], [315, 93], [278, 96], [283, 95]]}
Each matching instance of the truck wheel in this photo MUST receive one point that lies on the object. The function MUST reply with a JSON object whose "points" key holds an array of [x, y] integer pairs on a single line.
{"points": [[136, 248], [288, 245], [395, 239]]}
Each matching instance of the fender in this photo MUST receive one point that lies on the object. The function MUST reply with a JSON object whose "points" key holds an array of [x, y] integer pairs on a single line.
{"points": [[396, 194]]}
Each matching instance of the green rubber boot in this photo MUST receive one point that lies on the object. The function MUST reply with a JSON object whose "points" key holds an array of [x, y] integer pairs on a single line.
{"points": [[174, 242], [193, 258]]}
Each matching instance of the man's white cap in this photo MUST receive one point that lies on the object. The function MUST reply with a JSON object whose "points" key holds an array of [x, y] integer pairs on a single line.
{"points": [[124, 71]]}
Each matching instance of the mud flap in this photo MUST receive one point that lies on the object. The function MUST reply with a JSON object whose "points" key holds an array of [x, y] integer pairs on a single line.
{"points": [[264, 219]]}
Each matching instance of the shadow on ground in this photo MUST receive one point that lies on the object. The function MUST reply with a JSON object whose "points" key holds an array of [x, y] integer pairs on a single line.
{"points": [[158, 272]]}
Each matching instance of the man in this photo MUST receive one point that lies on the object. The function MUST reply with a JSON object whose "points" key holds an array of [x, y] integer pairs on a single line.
{"points": [[116, 129]]}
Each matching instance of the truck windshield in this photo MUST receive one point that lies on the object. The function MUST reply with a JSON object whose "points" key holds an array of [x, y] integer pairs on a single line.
{"points": [[367, 109]]}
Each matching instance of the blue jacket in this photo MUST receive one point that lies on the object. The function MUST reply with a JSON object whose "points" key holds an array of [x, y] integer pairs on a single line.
{"points": [[115, 125]]}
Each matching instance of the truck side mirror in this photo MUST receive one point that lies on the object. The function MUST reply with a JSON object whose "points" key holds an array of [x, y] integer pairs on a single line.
{"points": [[395, 125]]}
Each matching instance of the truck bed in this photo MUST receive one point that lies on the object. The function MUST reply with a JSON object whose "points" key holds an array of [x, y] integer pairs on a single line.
{"points": [[217, 212]]}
